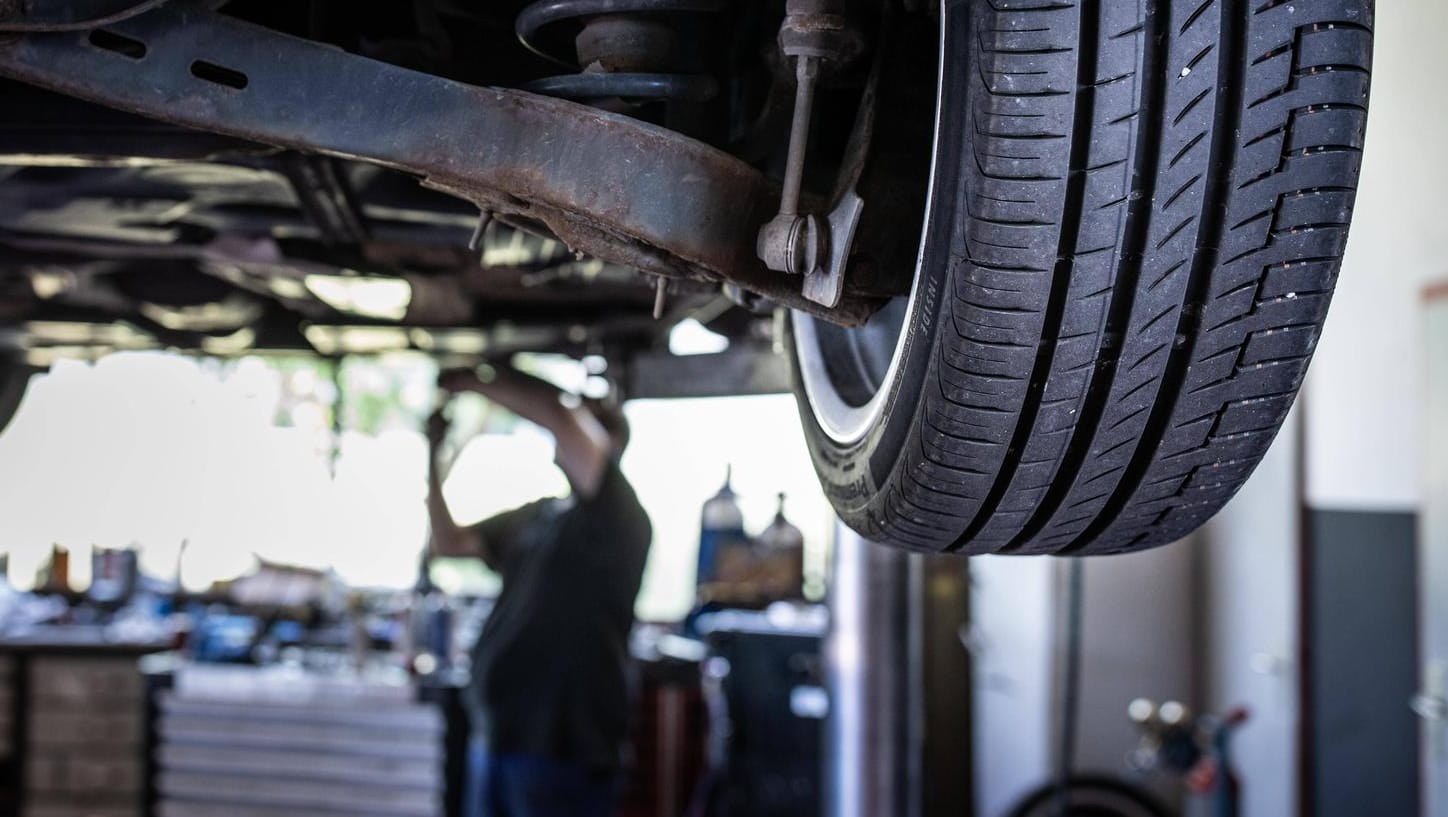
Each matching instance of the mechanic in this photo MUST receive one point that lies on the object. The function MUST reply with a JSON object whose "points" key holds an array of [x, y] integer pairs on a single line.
{"points": [[549, 694]]}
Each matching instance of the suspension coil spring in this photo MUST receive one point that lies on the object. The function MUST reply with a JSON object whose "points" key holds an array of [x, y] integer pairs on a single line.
{"points": [[628, 49]]}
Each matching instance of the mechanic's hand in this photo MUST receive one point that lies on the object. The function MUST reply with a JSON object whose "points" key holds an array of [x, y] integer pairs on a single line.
{"points": [[437, 426]]}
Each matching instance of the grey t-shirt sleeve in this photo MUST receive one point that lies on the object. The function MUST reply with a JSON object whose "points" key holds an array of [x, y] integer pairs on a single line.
{"points": [[618, 530], [498, 536]]}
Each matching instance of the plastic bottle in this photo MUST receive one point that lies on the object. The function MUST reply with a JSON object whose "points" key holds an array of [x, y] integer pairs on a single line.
{"points": [[781, 552], [721, 529]]}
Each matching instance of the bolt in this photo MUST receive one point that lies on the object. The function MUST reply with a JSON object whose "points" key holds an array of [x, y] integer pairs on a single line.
{"points": [[476, 239]]}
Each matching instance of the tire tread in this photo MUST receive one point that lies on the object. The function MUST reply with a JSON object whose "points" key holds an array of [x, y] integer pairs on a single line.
{"points": [[1155, 204]]}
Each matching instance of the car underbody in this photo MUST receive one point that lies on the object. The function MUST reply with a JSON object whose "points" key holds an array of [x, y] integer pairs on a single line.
{"points": [[232, 180]]}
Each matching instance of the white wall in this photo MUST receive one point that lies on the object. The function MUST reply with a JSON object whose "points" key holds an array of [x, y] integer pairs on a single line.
{"points": [[1365, 393]]}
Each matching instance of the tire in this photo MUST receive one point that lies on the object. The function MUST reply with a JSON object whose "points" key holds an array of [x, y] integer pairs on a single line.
{"points": [[1136, 218], [1092, 796]]}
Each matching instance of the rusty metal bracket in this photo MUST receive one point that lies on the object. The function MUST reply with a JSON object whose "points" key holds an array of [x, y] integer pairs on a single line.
{"points": [[613, 187], [825, 283]]}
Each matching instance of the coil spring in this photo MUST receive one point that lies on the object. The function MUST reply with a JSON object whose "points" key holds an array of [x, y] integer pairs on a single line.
{"points": [[626, 48]]}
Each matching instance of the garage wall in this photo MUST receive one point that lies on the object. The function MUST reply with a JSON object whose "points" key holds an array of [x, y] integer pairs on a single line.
{"points": [[1365, 391]]}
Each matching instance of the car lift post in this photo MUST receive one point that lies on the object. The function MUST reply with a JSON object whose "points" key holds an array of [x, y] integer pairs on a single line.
{"points": [[898, 734]]}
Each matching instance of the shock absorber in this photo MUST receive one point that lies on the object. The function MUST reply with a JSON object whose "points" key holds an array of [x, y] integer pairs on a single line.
{"points": [[627, 49]]}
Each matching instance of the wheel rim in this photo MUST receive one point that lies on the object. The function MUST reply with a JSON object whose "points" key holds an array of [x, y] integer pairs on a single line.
{"points": [[844, 381], [847, 374]]}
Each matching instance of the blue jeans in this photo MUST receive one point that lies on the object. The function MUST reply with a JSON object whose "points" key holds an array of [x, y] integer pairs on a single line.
{"points": [[516, 785]]}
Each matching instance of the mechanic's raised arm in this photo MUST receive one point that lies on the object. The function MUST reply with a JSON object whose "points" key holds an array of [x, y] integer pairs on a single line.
{"points": [[448, 538], [583, 444]]}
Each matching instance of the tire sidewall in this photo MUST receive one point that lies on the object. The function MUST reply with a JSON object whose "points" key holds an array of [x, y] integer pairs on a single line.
{"points": [[854, 474]]}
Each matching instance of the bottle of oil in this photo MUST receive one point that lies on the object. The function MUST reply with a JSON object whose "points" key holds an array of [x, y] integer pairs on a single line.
{"points": [[721, 535], [780, 551]]}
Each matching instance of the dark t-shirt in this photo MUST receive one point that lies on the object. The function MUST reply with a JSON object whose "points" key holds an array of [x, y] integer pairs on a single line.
{"points": [[549, 670]]}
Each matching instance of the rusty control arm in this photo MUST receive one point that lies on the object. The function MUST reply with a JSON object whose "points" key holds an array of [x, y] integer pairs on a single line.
{"points": [[813, 32], [613, 187]]}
